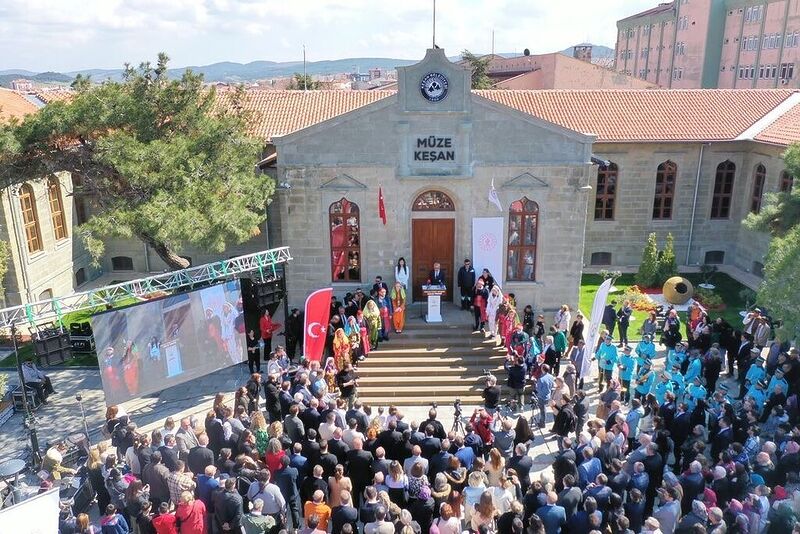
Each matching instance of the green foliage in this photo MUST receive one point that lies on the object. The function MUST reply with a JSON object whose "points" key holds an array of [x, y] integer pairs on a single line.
{"points": [[159, 159], [667, 264], [303, 82], [708, 298], [4, 257], [780, 216], [647, 275], [478, 65]]}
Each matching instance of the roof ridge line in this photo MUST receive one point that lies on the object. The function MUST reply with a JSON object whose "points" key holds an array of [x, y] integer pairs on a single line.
{"points": [[770, 118]]}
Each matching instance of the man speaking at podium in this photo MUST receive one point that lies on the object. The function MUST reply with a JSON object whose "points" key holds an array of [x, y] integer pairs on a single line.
{"points": [[436, 276]]}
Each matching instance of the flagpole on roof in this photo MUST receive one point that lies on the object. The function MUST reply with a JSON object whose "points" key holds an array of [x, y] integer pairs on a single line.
{"points": [[434, 24]]}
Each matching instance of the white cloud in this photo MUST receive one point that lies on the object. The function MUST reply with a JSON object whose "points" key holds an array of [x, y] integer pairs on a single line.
{"points": [[71, 34]]}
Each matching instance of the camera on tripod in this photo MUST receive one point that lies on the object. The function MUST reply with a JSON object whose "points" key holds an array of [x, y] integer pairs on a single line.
{"points": [[457, 407]]}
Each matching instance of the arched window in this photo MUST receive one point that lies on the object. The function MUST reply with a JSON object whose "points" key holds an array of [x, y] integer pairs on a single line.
{"points": [[759, 178], [523, 225], [666, 176], [30, 219], [56, 208], [606, 192], [47, 294], [433, 201], [786, 182], [723, 190], [122, 263], [345, 230]]}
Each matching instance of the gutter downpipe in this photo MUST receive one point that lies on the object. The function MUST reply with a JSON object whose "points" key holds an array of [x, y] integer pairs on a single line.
{"points": [[694, 200]]}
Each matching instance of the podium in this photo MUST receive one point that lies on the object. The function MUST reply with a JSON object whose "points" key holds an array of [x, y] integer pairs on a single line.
{"points": [[434, 295]]}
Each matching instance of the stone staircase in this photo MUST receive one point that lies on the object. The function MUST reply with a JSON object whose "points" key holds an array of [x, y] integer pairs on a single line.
{"points": [[430, 363]]}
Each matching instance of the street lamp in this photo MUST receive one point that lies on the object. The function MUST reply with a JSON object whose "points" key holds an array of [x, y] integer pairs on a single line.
{"points": [[79, 398], [30, 420]]}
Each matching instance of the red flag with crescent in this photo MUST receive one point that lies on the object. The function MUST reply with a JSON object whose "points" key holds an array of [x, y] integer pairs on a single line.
{"points": [[317, 315], [381, 207]]}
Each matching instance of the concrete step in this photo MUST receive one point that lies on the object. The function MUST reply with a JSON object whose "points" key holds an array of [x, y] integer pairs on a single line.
{"points": [[403, 352], [433, 362], [421, 381], [445, 400], [454, 370], [409, 343], [420, 388]]}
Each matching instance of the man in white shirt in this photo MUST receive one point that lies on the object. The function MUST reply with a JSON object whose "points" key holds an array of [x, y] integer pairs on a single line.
{"points": [[327, 428], [37, 380], [351, 433]]}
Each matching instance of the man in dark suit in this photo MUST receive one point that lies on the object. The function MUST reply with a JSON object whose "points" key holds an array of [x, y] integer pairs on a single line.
{"points": [[298, 461], [440, 461], [438, 428], [200, 457], [169, 453], [391, 441], [680, 429], [722, 439], [286, 478], [522, 464], [285, 398], [379, 284], [357, 413], [359, 468], [311, 448], [338, 447], [570, 497], [431, 444], [466, 281], [327, 460], [312, 483], [344, 514], [228, 508], [436, 276], [381, 463]]}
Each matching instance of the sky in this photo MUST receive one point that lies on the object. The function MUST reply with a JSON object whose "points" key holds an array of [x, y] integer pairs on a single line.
{"points": [[68, 35]]}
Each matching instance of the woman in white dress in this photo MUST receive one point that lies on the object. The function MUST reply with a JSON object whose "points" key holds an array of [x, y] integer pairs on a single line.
{"points": [[492, 303], [401, 272]]}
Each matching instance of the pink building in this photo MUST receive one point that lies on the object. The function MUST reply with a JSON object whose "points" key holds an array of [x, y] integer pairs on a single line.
{"points": [[713, 44]]}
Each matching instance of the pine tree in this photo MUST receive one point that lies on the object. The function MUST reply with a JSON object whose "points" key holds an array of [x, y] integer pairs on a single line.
{"points": [[667, 264], [160, 160], [647, 276]]}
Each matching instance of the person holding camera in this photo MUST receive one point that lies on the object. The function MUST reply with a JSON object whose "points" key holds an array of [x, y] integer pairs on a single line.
{"points": [[347, 380], [517, 371], [491, 394]]}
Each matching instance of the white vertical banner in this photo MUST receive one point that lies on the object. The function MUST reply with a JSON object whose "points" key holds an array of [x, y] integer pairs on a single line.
{"points": [[594, 326], [19, 519], [487, 246]]}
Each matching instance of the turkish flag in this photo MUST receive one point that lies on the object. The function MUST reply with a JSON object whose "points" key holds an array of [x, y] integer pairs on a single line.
{"points": [[381, 207], [318, 311]]}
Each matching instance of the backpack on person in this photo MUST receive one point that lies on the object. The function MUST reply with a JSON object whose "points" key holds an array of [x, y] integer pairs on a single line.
{"points": [[119, 435]]}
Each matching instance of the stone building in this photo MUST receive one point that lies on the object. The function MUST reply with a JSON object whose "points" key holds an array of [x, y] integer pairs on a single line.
{"points": [[581, 176]]}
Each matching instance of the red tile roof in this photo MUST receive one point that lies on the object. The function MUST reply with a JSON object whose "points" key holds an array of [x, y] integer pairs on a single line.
{"points": [[13, 104], [615, 116], [277, 113], [784, 131], [648, 115]]}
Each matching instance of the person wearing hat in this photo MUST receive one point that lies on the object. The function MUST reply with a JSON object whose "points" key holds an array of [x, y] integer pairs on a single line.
{"points": [[645, 377], [646, 349], [607, 357], [676, 356], [627, 370], [776, 380], [695, 367], [695, 392], [663, 386], [756, 371], [678, 381], [758, 392]]}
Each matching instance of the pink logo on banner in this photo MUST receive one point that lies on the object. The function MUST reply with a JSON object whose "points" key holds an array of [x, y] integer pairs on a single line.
{"points": [[487, 242]]}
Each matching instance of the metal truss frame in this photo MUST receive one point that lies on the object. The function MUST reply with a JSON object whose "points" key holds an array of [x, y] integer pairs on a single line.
{"points": [[266, 263]]}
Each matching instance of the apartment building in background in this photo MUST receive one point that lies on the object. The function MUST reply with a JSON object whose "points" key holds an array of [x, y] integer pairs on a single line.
{"points": [[726, 44]]}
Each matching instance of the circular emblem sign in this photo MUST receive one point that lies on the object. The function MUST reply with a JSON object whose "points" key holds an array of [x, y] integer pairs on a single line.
{"points": [[434, 86]]}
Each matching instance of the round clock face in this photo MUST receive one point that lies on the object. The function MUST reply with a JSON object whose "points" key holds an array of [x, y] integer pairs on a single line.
{"points": [[434, 86]]}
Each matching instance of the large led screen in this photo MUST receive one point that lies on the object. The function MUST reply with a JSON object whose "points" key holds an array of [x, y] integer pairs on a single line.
{"points": [[148, 347]]}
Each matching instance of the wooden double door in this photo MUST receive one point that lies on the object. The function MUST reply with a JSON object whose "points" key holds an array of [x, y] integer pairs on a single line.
{"points": [[432, 240]]}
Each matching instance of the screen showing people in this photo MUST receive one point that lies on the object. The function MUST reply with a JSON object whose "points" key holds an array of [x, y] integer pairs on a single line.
{"points": [[149, 347]]}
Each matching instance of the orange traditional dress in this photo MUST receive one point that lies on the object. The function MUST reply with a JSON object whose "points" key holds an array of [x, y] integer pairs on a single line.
{"points": [[341, 349], [398, 297]]}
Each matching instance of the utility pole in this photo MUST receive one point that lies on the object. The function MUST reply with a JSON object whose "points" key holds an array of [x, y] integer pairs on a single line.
{"points": [[305, 80], [492, 42]]}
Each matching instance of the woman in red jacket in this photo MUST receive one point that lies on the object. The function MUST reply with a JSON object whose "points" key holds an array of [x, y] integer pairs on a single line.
{"points": [[267, 328], [191, 514]]}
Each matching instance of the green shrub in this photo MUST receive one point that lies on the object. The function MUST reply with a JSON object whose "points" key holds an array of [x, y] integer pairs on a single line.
{"points": [[647, 276], [667, 264]]}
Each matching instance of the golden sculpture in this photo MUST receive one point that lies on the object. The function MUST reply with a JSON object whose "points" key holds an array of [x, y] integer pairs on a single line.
{"points": [[677, 290]]}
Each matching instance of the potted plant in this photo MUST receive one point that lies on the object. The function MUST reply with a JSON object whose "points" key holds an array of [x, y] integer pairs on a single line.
{"points": [[6, 406], [707, 271]]}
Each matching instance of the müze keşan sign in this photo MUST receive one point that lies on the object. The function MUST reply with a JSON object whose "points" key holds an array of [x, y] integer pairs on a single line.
{"points": [[434, 148]]}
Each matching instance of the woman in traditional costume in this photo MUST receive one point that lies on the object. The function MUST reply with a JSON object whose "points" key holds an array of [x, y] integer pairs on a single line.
{"points": [[354, 335], [341, 349], [330, 374], [492, 305], [373, 317], [130, 368], [398, 297], [363, 330]]}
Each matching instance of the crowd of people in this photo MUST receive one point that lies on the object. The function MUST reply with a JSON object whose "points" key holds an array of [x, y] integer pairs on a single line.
{"points": [[677, 444]]}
